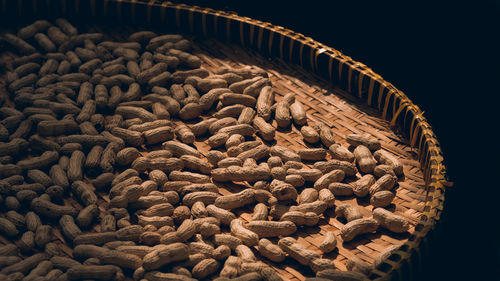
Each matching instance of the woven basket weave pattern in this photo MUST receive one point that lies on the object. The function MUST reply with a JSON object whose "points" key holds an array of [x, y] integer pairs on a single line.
{"points": [[353, 77]]}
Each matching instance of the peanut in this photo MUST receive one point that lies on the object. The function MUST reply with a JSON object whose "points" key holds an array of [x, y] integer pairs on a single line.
{"points": [[329, 243], [390, 220], [327, 166], [361, 187], [300, 218], [357, 227], [357, 140], [272, 228], [331, 177], [386, 182], [386, 158], [349, 212]]}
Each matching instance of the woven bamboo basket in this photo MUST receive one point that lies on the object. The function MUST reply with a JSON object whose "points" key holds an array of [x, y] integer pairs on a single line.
{"points": [[335, 90]]}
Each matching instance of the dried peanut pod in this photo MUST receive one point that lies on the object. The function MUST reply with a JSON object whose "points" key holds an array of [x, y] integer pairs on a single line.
{"points": [[260, 212], [284, 153], [308, 174], [40, 162], [232, 98], [300, 218], [84, 192], [205, 268], [357, 227], [297, 251], [234, 140], [349, 212], [158, 135], [256, 153], [357, 140], [103, 181], [198, 210], [298, 113], [181, 213], [295, 180], [365, 159], [386, 158], [272, 228], [237, 173], [264, 102], [202, 127], [38, 176], [329, 243], [188, 176], [235, 200], [129, 112], [391, 221], [325, 180], [246, 116], [190, 111], [362, 186], [221, 123], [127, 155], [382, 199], [69, 228], [318, 207], [266, 130], [386, 182], [87, 215], [341, 189], [103, 272], [248, 237], [283, 191], [341, 153], [57, 127], [282, 114], [229, 111], [327, 166], [381, 170], [278, 173], [239, 87], [178, 149], [59, 176], [26, 264], [223, 215], [19, 44], [185, 134], [146, 126], [312, 154], [108, 223], [8, 228], [229, 161], [43, 235], [309, 134], [308, 195], [206, 197]]}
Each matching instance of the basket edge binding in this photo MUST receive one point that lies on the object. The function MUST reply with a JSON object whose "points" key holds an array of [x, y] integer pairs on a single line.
{"points": [[349, 75]]}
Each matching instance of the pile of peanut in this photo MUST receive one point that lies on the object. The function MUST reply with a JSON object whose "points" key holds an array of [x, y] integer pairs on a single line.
{"points": [[99, 151]]}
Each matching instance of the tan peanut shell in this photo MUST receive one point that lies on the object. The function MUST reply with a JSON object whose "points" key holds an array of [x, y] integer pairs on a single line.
{"points": [[356, 140], [329, 242], [356, 227], [348, 211], [248, 237], [272, 228], [391, 221], [381, 199]]}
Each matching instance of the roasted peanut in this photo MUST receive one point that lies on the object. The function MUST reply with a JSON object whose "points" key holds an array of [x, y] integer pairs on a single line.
{"points": [[390, 220]]}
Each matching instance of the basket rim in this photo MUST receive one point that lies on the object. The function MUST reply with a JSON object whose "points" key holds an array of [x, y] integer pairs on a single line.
{"points": [[420, 135]]}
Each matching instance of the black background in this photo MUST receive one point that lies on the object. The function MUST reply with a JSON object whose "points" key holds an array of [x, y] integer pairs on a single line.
{"points": [[443, 55]]}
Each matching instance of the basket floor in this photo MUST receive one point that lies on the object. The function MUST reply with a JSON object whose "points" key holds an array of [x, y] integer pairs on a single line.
{"points": [[338, 110]]}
